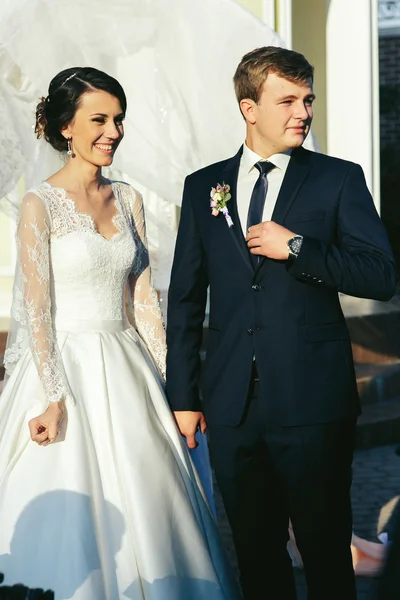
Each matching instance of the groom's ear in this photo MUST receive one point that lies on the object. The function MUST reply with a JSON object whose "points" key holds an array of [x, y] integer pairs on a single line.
{"points": [[247, 107]]}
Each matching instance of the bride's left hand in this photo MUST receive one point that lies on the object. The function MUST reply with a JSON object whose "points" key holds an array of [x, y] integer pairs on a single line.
{"points": [[45, 428]]}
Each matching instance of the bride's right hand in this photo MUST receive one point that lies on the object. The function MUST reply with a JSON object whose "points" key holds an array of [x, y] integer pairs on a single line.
{"points": [[45, 428]]}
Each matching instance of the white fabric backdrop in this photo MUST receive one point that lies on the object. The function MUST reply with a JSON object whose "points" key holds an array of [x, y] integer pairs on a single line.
{"points": [[175, 59]]}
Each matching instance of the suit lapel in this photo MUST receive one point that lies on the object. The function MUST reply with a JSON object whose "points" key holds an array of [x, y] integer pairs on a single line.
{"points": [[296, 174], [230, 174]]}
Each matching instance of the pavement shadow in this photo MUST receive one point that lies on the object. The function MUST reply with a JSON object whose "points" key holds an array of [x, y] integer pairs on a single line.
{"points": [[177, 588]]}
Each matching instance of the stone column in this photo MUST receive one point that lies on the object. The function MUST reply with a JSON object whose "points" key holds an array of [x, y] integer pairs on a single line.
{"points": [[353, 86]]}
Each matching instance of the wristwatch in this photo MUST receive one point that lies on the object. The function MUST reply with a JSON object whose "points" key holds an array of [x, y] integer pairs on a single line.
{"points": [[294, 245]]}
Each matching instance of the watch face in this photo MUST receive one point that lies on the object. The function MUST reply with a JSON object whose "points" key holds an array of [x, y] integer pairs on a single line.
{"points": [[295, 244]]}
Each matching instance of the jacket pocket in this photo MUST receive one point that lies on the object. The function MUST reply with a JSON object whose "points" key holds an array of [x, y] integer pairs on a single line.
{"points": [[329, 332]]}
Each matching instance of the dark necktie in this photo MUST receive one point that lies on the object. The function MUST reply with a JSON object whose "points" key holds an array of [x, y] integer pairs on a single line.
{"points": [[257, 200]]}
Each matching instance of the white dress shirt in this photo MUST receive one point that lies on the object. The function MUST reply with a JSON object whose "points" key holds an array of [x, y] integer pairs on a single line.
{"points": [[248, 175]]}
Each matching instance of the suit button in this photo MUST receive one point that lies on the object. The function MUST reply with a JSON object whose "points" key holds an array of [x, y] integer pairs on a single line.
{"points": [[249, 331], [256, 288]]}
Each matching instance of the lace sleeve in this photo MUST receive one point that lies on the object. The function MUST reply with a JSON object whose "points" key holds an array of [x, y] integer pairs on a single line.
{"points": [[146, 310], [33, 237]]}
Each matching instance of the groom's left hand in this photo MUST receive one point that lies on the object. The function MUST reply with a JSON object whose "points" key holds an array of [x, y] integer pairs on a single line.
{"points": [[189, 422], [269, 239]]}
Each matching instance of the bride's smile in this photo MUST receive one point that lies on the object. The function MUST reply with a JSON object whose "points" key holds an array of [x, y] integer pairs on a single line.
{"points": [[106, 148]]}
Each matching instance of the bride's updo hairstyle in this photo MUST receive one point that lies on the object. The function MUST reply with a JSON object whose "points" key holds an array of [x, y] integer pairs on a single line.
{"points": [[66, 89]]}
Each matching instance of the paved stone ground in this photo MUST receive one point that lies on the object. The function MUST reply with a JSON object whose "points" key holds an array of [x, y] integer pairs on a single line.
{"points": [[376, 488]]}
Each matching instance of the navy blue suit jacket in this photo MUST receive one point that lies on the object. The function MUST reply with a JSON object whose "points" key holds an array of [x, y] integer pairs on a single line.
{"points": [[286, 314]]}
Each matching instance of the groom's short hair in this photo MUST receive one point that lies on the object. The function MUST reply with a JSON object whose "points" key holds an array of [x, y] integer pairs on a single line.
{"points": [[256, 65]]}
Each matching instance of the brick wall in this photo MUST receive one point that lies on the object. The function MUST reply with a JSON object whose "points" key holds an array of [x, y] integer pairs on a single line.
{"points": [[389, 78]]}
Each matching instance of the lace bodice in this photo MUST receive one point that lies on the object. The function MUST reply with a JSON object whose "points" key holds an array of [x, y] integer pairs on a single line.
{"points": [[69, 271]]}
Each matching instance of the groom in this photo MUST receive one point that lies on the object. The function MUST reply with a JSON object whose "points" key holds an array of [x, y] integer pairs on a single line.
{"points": [[279, 395]]}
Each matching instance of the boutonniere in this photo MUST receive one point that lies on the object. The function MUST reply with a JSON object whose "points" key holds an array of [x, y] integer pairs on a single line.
{"points": [[219, 196]]}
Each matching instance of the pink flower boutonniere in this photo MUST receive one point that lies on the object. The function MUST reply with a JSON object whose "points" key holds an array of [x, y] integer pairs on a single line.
{"points": [[219, 196]]}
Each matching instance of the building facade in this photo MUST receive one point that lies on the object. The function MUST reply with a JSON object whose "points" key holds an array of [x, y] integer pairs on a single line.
{"points": [[389, 69]]}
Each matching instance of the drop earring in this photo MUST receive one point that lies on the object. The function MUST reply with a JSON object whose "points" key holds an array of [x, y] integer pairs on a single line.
{"points": [[69, 151]]}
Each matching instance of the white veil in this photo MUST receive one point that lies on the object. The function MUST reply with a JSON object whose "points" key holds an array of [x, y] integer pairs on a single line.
{"points": [[175, 60]]}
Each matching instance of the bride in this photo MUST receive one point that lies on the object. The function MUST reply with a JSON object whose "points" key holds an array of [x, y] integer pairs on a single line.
{"points": [[98, 496]]}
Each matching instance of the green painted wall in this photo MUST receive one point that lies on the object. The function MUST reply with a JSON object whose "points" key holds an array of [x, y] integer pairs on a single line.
{"points": [[254, 5], [6, 284], [309, 37], [6, 281], [5, 241]]}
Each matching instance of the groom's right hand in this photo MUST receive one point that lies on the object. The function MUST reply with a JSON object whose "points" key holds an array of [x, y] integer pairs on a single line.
{"points": [[188, 422]]}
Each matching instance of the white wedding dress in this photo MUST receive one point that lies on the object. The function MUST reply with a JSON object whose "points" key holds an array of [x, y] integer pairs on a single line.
{"points": [[113, 509]]}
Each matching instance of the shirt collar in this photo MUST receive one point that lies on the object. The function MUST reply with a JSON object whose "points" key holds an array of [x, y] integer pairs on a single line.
{"points": [[249, 158]]}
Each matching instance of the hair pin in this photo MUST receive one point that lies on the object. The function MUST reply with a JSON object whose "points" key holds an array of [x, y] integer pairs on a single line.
{"points": [[68, 78]]}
